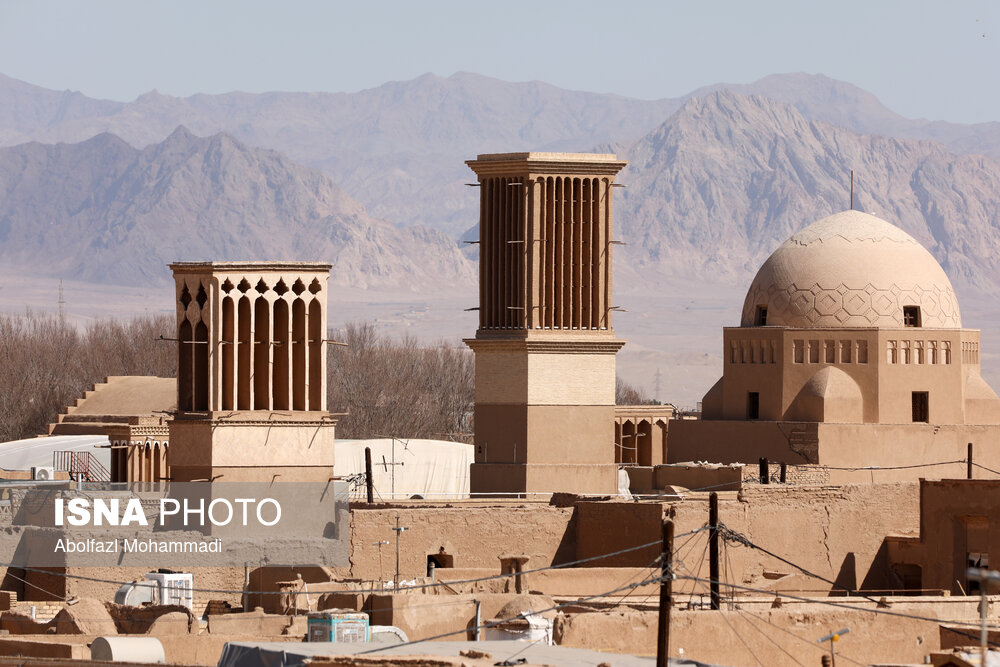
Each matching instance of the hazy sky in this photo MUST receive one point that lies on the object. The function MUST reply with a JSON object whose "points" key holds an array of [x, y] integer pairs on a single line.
{"points": [[936, 60]]}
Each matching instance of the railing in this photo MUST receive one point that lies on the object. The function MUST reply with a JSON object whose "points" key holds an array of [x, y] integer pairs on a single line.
{"points": [[81, 465]]}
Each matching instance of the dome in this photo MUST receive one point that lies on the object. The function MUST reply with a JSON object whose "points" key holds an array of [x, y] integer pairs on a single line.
{"points": [[851, 270]]}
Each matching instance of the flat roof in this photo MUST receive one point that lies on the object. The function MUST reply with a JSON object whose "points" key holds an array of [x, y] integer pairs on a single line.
{"points": [[251, 266]]}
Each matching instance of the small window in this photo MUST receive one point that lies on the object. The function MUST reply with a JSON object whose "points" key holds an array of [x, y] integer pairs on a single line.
{"points": [[845, 351], [918, 352], [890, 351], [911, 316], [920, 408], [774, 351], [906, 352], [761, 316], [732, 352], [932, 355], [946, 351], [797, 354], [978, 560], [830, 352], [753, 405], [814, 352], [862, 352]]}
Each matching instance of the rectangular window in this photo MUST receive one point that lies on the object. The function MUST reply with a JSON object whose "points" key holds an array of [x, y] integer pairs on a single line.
{"points": [[918, 352], [906, 352], [932, 355], [845, 351], [862, 352], [978, 560], [797, 353], [814, 352], [890, 352], [946, 351], [920, 408], [753, 405], [774, 351], [761, 316], [830, 350], [911, 316]]}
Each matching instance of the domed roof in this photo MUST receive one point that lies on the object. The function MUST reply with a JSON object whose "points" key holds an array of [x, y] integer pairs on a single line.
{"points": [[851, 270]]}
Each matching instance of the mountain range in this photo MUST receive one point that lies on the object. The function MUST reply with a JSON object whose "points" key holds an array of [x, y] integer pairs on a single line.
{"points": [[400, 148], [103, 211], [718, 177], [373, 181], [727, 178]]}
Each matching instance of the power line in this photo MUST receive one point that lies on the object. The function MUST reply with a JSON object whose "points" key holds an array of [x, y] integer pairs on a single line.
{"points": [[508, 575], [811, 643], [767, 637], [745, 645], [841, 605], [497, 622], [979, 465], [875, 468], [731, 535]]}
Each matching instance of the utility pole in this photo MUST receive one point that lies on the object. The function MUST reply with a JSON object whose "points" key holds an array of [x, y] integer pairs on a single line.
{"points": [[62, 304], [985, 578], [713, 549], [833, 637], [369, 482], [386, 464], [399, 529], [666, 595], [381, 572]]}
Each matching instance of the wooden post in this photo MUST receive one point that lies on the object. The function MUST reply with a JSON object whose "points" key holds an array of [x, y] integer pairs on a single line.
{"points": [[765, 473], [666, 595], [784, 472], [369, 482], [968, 463], [713, 548]]}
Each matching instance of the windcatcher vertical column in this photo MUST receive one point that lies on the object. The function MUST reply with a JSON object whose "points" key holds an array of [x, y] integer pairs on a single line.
{"points": [[251, 373], [545, 348]]}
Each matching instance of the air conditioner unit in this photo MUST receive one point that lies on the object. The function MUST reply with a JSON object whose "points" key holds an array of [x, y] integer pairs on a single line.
{"points": [[43, 473]]}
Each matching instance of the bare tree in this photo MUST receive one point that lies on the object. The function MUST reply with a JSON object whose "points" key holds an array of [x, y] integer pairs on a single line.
{"points": [[397, 387], [627, 394], [46, 364]]}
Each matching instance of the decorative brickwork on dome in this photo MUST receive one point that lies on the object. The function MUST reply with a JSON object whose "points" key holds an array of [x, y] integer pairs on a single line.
{"points": [[851, 270]]}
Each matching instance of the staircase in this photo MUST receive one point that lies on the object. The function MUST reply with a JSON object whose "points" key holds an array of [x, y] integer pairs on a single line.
{"points": [[81, 465]]}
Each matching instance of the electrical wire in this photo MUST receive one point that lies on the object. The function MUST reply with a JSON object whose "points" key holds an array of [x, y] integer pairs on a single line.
{"points": [[728, 534], [841, 605], [400, 589], [745, 645], [810, 642], [979, 465], [875, 468], [766, 636], [497, 622]]}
